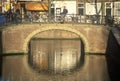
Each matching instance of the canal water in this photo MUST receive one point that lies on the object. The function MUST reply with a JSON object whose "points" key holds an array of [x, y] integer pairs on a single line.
{"points": [[55, 55], [55, 60], [16, 68]]}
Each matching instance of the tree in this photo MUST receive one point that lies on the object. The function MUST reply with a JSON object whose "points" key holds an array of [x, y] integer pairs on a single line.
{"points": [[103, 10], [97, 11], [49, 6]]}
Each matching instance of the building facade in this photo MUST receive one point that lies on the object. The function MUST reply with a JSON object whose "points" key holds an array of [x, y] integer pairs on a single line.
{"points": [[85, 10]]}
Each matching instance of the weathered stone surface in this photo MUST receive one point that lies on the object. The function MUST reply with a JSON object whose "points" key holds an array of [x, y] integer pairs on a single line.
{"points": [[15, 39]]}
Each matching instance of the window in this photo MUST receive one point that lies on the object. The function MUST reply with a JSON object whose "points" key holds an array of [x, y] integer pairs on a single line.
{"points": [[52, 9], [117, 9], [108, 9], [58, 11], [108, 12], [81, 9], [108, 5], [80, 5]]}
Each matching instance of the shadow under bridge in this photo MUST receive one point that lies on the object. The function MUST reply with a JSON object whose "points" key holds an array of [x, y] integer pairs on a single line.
{"points": [[56, 51]]}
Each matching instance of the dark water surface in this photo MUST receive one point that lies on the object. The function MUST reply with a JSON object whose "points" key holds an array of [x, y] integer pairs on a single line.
{"points": [[16, 68]]}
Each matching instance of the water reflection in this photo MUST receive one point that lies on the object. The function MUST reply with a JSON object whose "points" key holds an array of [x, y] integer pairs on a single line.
{"points": [[56, 55], [0, 66], [16, 68], [113, 68], [113, 58], [0, 54]]}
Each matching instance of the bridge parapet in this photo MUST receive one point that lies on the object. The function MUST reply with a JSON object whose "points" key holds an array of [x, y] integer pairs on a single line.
{"points": [[16, 38]]}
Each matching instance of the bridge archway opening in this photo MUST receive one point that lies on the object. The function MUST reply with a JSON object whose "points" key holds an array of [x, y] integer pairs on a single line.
{"points": [[56, 51], [82, 37]]}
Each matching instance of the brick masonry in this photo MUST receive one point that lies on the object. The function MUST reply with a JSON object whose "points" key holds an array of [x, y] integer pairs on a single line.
{"points": [[16, 38]]}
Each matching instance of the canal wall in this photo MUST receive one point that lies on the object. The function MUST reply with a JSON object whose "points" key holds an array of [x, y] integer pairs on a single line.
{"points": [[113, 54], [0, 53]]}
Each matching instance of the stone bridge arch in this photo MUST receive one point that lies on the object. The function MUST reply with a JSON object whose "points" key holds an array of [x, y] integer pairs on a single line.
{"points": [[73, 30]]}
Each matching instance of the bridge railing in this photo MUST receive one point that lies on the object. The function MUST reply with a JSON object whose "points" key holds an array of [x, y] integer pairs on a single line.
{"points": [[69, 18], [58, 18]]}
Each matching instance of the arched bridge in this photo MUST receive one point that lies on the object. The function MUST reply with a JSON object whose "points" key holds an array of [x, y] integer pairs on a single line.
{"points": [[15, 38]]}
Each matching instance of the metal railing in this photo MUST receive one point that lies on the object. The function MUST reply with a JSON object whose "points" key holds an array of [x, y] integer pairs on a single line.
{"points": [[69, 18]]}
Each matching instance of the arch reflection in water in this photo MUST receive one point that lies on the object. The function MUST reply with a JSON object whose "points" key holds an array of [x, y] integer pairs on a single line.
{"points": [[56, 55]]}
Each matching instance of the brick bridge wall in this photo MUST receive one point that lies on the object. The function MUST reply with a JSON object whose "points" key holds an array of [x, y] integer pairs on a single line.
{"points": [[16, 37]]}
